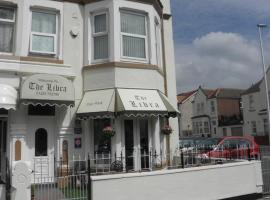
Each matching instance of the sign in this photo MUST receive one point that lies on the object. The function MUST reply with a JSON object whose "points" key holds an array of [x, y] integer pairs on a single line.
{"points": [[78, 143], [98, 101], [141, 100], [47, 87]]}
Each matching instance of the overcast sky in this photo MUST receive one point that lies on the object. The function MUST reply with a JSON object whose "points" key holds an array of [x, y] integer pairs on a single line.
{"points": [[217, 42]]}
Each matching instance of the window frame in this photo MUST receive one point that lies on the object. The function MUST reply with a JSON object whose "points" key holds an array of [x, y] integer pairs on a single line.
{"points": [[10, 21], [55, 36], [93, 35], [145, 37]]}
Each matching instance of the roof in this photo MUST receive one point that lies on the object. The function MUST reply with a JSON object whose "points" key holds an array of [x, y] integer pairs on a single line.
{"points": [[253, 88], [183, 96], [226, 93]]}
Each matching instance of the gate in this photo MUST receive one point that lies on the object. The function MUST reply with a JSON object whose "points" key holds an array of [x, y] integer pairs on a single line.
{"points": [[265, 160], [68, 183]]}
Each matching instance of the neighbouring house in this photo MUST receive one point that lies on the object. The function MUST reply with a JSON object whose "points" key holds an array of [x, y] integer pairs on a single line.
{"points": [[185, 108], [214, 113], [255, 109], [72, 71]]}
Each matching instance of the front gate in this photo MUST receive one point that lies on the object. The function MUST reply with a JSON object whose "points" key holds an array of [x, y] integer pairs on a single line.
{"points": [[68, 182]]}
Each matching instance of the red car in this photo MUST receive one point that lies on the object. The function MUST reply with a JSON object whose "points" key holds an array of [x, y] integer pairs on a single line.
{"points": [[236, 147]]}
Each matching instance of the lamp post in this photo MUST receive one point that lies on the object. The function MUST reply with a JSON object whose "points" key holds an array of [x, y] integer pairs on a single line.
{"points": [[260, 27]]}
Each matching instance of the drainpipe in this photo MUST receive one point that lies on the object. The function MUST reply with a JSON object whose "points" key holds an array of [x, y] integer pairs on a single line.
{"points": [[168, 145]]}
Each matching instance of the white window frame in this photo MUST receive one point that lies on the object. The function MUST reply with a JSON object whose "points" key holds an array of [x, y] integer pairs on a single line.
{"points": [[99, 34], [55, 36], [10, 21], [145, 37]]}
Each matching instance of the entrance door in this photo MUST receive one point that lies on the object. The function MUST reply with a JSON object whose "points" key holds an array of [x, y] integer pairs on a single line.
{"points": [[129, 144], [136, 144], [3, 145], [43, 137]]}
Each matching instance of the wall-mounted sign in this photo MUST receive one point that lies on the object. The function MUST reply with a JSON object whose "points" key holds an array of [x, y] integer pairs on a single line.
{"points": [[47, 87], [78, 127], [78, 143]]}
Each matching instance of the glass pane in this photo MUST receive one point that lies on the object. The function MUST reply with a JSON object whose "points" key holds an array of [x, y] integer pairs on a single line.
{"points": [[41, 142], [100, 23], [101, 47], [43, 43], [134, 47], [6, 13], [44, 22], [6, 37], [102, 144], [131, 23]]}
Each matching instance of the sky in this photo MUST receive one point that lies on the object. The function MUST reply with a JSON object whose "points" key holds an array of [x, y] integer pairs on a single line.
{"points": [[217, 42]]}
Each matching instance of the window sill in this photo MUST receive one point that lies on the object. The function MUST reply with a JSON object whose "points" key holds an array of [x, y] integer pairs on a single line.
{"points": [[31, 59]]}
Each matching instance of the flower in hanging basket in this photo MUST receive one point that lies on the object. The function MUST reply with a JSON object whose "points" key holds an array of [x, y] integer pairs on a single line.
{"points": [[167, 129], [108, 131]]}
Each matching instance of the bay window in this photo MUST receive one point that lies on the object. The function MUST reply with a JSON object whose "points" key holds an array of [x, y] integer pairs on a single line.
{"points": [[100, 36], [43, 37], [7, 24], [133, 35]]}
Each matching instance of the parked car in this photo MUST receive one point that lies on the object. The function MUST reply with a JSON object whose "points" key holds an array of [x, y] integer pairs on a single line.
{"points": [[235, 147], [208, 144]]}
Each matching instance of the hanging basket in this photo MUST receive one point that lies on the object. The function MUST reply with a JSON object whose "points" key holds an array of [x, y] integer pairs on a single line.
{"points": [[108, 131], [167, 130]]}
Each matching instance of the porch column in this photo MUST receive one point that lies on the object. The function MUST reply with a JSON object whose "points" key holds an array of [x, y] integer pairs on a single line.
{"points": [[156, 145], [86, 133], [117, 139]]}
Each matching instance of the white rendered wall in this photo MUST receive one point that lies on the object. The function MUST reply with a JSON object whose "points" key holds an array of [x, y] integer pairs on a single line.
{"points": [[201, 183]]}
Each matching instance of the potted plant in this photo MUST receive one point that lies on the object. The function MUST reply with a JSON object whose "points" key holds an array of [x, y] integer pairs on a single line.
{"points": [[167, 129], [108, 131]]}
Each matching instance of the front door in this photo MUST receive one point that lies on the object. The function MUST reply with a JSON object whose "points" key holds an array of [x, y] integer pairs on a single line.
{"points": [[136, 144], [43, 137], [3, 145]]}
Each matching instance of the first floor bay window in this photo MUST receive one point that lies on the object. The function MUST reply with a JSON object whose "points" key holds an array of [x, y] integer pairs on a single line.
{"points": [[43, 38], [7, 22], [133, 35]]}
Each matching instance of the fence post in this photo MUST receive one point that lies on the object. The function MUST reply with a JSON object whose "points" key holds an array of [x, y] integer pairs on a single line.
{"points": [[248, 151], [89, 179], [182, 159]]}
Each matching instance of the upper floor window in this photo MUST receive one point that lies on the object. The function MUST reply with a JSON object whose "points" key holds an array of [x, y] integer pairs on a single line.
{"points": [[7, 24], [251, 101], [43, 38], [133, 35], [212, 106], [100, 36]]}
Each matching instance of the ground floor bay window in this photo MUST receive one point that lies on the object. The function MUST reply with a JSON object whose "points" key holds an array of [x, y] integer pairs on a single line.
{"points": [[130, 148]]}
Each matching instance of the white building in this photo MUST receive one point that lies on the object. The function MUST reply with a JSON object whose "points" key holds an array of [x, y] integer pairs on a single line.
{"points": [[255, 110], [68, 69], [186, 109], [213, 113]]}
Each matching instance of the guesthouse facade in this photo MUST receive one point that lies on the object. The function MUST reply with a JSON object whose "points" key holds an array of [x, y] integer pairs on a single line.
{"points": [[73, 71]]}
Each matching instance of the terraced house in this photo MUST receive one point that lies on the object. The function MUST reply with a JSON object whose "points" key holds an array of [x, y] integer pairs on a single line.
{"points": [[74, 70]]}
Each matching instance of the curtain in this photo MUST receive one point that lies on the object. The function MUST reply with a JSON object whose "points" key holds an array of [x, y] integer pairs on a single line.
{"points": [[6, 37], [101, 47], [100, 23], [43, 43], [134, 24], [43, 22], [133, 47]]}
